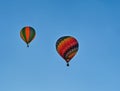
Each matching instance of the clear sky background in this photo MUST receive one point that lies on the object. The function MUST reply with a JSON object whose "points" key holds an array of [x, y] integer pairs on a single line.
{"points": [[94, 23]]}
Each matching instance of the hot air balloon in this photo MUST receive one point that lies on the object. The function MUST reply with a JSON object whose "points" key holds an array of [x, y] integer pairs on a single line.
{"points": [[67, 47], [27, 34]]}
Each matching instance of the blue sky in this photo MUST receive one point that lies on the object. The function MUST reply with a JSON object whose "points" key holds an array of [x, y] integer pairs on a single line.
{"points": [[94, 23]]}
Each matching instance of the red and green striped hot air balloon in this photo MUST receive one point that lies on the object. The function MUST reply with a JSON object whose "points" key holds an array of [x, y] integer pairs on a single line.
{"points": [[67, 47], [27, 34]]}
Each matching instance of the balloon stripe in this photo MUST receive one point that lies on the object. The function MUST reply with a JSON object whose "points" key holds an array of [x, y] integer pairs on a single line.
{"points": [[63, 45], [32, 34], [23, 33], [60, 41], [22, 36], [67, 46], [72, 54], [70, 50], [75, 49], [27, 32]]}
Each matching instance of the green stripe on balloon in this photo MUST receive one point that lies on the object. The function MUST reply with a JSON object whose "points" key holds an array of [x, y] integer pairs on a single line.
{"points": [[32, 34]]}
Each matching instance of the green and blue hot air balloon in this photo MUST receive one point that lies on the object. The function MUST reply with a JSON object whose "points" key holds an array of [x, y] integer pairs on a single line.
{"points": [[27, 34]]}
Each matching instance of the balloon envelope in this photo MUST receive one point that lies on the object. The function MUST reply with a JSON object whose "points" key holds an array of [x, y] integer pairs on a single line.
{"points": [[27, 34], [67, 47]]}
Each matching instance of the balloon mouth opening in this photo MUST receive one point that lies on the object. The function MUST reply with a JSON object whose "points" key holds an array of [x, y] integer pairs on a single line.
{"points": [[67, 60]]}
